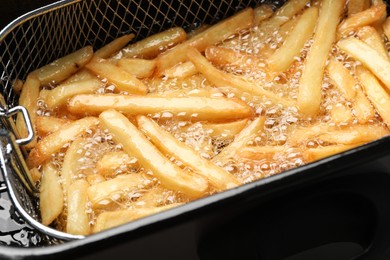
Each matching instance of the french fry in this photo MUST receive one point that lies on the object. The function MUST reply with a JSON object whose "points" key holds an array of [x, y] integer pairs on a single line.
{"points": [[157, 196], [362, 108], [102, 193], [217, 176], [341, 114], [111, 162], [342, 79], [225, 130], [70, 166], [309, 92], [193, 108], [48, 124], [378, 24], [367, 55], [81, 75], [357, 6], [205, 92], [283, 57], [17, 86], [112, 219], [51, 199], [136, 144], [285, 13], [375, 93], [64, 67], [140, 68], [35, 174], [259, 153], [114, 46], [122, 80], [241, 140], [363, 18], [28, 99], [370, 36], [95, 178], [262, 12], [151, 46], [59, 96], [182, 70], [315, 154], [201, 41], [77, 220], [287, 27], [222, 79], [300, 135], [55, 141]]}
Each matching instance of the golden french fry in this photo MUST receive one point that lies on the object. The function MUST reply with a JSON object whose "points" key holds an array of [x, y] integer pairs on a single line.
{"points": [[262, 12], [378, 24], [355, 134], [112, 219], [122, 80], [140, 68], [151, 46], [82, 74], [241, 140], [77, 220], [17, 86], [55, 141], [167, 143], [112, 162], [28, 99], [225, 130], [47, 124], [315, 154], [222, 79], [363, 18], [114, 46], [95, 178], [283, 57], [357, 6], [193, 108], [70, 166], [371, 36], [182, 70], [198, 30], [309, 92], [286, 28], [367, 55], [59, 96], [301, 135], [362, 108], [341, 114], [259, 153], [342, 79], [285, 13], [201, 41], [51, 198], [136, 144], [105, 192], [64, 67], [375, 93]]}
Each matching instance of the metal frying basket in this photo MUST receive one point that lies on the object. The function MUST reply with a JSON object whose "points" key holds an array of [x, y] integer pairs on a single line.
{"points": [[48, 33]]}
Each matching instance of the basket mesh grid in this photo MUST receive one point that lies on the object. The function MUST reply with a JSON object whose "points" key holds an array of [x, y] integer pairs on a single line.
{"points": [[53, 33]]}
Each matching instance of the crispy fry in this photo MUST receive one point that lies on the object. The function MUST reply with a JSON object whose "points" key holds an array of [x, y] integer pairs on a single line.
{"points": [[64, 67], [136, 144], [262, 12], [122, 80], [95, 178], [114, 46], [223, 79], [150, 47], [140, 68], [55, 141], [362, 108], [300, 135], [241, 140], [342, 79], [370, 36], [81, 75], [283, 57], [363, 18], [102, 193], [109, 219], [285, 13], [111, 162], [315, 154], [201, 41], [357, 6], [17, 86], [51, 199], [217, 176], [58, 96], [182, 70], [28, 99], [309, 94], [194, 108], [375, 93], [77, 221], [259, 153], [47, 124], [367, 55], [341, 114]]}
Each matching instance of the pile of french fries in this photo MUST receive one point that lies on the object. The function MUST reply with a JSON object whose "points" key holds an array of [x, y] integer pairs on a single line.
{"points": [[132, 129]]}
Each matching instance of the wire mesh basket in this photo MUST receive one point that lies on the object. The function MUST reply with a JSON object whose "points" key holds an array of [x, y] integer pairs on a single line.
{"points": [[46, 34]]}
